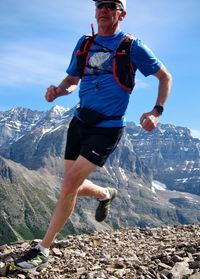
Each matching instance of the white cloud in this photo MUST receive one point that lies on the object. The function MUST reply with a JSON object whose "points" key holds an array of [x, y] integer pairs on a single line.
{"points": [[23, 64]]}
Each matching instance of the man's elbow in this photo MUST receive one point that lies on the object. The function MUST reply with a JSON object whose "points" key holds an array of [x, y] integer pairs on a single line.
{"points": [[169, 77], [165, 76], [169, 80]]}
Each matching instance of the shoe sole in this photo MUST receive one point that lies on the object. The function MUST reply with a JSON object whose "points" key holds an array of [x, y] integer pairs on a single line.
{"points": [[33, 270]]}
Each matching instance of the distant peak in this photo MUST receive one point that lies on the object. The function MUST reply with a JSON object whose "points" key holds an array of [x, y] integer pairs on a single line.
{"points": [[59, 110]]}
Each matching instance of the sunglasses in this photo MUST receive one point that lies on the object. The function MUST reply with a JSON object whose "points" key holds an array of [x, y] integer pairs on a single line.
{"points": [[110, 6]]}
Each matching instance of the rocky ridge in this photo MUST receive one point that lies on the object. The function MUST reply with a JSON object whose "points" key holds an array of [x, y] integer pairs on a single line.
{"points": [[150, 253]]}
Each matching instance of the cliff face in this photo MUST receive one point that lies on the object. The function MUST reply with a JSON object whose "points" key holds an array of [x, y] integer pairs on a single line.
{"points": [[172, 154], [157, 175]]}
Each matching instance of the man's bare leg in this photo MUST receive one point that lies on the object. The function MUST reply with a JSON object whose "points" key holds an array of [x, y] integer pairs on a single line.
{"points": [[91, 189], [75, 173], [74, 176], [75, 183]]}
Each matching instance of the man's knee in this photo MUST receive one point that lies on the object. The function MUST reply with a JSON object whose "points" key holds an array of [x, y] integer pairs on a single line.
{"points": [[71, 184], [75, 175]]}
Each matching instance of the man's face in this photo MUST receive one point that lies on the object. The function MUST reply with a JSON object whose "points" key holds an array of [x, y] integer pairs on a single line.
{"points": [[108, 15]]}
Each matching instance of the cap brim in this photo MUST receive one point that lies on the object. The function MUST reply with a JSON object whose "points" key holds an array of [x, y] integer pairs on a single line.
{"points": [[110, 1]]}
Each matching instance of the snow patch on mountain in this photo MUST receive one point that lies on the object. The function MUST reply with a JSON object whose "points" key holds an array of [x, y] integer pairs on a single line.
{"points": [[156, 185]]}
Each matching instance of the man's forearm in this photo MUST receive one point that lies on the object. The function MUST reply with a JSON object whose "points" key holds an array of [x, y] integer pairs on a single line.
{"points": [[164, 89], [68, 85]]}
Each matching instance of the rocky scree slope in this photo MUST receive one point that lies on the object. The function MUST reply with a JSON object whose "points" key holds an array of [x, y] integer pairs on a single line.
{"points": [[150, 253]]}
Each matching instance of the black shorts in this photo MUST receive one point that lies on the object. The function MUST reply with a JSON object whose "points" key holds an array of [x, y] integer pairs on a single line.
{"points": [[93, 143]]}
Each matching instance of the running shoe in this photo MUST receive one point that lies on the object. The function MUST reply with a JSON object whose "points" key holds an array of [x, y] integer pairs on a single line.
{"points": [[31, 261], [103, 208]]}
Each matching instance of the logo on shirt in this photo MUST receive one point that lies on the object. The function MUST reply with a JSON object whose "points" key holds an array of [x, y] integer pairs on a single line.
{"points": [[100, 61]]}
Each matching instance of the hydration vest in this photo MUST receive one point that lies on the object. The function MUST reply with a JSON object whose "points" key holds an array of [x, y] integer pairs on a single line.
{"points": [[122, 71]]}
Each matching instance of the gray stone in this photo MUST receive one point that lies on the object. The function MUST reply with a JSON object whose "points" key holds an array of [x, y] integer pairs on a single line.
{"points": [[181, 270], [195, 276]]}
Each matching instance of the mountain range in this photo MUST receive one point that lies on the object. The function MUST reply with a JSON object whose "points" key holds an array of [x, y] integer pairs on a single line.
{"points": [[157, 175]]}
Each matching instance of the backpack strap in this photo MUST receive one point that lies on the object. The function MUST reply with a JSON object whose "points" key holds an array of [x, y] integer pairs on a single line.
{"points": [[123, 71], [83, 53]]}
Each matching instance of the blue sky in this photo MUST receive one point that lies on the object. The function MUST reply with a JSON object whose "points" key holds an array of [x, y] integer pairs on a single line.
{"points": [[37, 38]]}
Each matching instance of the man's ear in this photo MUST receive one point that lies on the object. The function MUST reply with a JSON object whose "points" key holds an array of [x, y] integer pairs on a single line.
{"points": [[122, 15]]}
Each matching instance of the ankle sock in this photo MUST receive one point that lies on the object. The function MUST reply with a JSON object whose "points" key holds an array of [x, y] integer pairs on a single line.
{"points": [[44, 250], [107, 197]]}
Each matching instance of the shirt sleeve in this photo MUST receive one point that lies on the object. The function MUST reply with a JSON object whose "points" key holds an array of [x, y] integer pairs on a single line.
{"points": [[72, 68], [144, 59]]}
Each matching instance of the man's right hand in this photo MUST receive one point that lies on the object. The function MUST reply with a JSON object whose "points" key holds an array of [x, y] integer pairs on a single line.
{"points": [[149, 121], [52, 93]]}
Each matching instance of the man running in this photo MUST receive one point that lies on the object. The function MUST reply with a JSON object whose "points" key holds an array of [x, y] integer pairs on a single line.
{"points": [[105, 64]]}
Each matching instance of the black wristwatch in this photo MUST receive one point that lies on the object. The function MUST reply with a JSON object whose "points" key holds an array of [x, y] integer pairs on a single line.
{"points": [[159, 109]]}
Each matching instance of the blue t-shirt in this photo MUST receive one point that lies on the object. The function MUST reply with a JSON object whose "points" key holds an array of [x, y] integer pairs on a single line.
{"points": [[98, 88]]}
